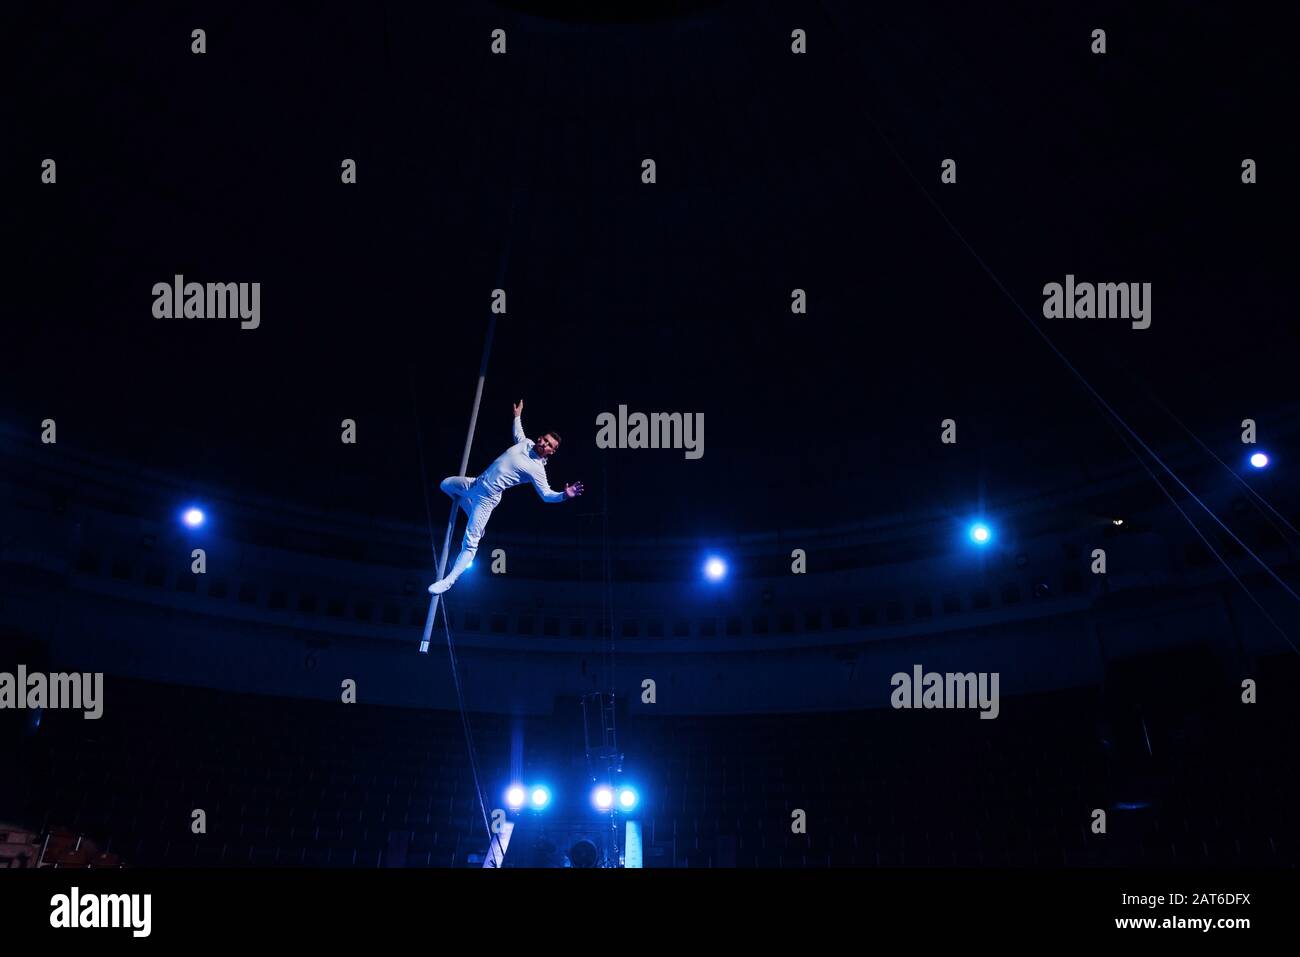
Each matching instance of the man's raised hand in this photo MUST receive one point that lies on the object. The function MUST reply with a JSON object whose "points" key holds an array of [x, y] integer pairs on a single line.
{"points": [[519, 408], [572, 489]]}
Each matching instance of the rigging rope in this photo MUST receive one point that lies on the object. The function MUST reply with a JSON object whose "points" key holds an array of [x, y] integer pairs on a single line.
{"points": [[451, 646], [836, 32]]}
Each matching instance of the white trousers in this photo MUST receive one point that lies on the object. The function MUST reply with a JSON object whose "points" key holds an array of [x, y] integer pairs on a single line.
{"points": [[479, 509]]}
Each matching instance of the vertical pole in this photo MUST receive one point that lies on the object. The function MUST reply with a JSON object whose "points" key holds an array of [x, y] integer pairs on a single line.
{"points": [[464, 466]]}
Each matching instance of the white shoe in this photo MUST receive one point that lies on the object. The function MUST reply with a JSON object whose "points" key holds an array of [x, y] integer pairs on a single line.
{"points": [[440, 586]]}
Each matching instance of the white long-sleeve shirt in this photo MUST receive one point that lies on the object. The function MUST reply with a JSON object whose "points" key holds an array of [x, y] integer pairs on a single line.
{"points": [[518, 464]]}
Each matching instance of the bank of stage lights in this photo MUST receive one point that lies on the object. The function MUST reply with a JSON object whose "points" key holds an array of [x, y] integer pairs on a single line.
{"points": [[536, 797], [603, 798]]}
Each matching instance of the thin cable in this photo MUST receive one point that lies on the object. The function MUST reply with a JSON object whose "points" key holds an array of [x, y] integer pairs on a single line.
{"points": [[1223, 561], [502, 268], [424, 484], [607, 593], [451, 647], [493, 837], [836, 32], [1259, 499]]}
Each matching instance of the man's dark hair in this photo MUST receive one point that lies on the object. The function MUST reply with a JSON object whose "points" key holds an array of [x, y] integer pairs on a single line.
{"points": [[556, 436]]}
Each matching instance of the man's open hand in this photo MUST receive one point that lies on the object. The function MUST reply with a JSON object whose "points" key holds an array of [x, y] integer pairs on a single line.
{"points": [[572, 489], [519, 408]]}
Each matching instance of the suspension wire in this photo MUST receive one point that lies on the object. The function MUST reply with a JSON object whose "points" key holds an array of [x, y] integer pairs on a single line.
{"points": [[493, 837], [1267, 509], [607, 592], [440, 561], [607, 611], [451, 646], [606, 596], [836, 32], [428, 515], [1223, 561]]}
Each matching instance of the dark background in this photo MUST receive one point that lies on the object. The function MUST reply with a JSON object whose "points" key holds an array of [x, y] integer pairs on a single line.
{"points": [[775, 171]]}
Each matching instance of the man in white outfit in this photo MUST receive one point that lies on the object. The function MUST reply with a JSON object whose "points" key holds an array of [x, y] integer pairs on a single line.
{"points": [[525, 461]]}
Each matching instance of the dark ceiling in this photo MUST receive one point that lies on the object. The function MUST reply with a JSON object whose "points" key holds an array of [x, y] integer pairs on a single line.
{"points": [[775, 171]]}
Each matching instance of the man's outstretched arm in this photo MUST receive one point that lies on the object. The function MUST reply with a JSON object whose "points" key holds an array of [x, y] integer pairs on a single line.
{"points": [[519, 423], [571, 490]]}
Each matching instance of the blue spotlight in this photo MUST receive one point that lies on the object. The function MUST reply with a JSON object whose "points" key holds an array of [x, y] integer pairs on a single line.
{"points": [[515, 797], [627, 799], [715, 569], [981, 534], [193, 517], [1259, 460], [541, 797], [603, 798]]}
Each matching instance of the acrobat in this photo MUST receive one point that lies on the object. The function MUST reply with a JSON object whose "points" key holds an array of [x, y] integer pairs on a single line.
{"points": [[523, 461]]}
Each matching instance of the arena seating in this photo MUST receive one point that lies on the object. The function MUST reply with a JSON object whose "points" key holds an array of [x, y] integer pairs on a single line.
{"points": [[290, 782]]}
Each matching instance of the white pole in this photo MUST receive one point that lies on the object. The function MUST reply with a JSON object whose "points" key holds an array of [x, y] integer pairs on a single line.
{"points": [[464, 467]]}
